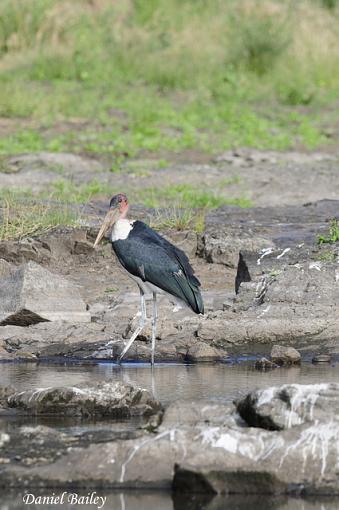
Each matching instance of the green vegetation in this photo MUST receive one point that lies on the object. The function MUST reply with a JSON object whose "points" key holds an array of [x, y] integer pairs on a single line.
{"points": [[186, 195], [328, 256], [131, 78], [333, 234], [67, 192], [174, 218], [22, 219], [127, 77], [180, 207]]}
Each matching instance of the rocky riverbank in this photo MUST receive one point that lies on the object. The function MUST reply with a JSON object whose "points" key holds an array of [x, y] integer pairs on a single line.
{"points": [[266, 280], [273, 441]]}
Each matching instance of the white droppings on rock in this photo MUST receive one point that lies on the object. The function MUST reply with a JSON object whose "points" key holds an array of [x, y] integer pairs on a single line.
{"points": [[302, 401], [238, 442], [264, 253], [286, 250], [4, 438], [318, 436], [266, 396], [315, 265], [265, 310]]}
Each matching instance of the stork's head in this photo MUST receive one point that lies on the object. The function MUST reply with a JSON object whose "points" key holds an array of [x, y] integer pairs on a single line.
{"points": [[118, 208]]}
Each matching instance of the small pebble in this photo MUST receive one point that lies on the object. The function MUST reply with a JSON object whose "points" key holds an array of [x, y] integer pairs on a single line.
{"points": [[321, 358]]}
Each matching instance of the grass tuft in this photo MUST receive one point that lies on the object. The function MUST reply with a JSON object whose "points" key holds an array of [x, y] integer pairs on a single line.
{"points": [[20, 219], [175, 218], [333, 234]]}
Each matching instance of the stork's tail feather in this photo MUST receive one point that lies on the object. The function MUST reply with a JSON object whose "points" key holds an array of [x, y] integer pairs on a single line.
{"points": [[190, 292], [198, 301]]}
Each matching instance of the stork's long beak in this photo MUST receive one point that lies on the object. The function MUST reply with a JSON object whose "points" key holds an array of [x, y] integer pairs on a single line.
{"points": [[110, 219]]}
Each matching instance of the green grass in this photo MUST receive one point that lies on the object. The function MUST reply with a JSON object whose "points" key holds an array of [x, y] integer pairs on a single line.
{"points": [[187, 196], [179, 207], [175, 218], [67, 192], [333, 234], [328, 256], [123, 78], [22, 219]]}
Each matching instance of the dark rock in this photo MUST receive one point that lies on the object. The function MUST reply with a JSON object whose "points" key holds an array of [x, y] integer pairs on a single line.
{"points": [[102, 399], [26, 250], [263, 230], [265, 364], [282, 355], [33, 294], [290, 405]]}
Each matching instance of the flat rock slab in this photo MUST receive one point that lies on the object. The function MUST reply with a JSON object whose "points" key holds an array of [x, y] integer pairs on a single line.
{"points": [[104, 399], [33, 294], [230, 230]]}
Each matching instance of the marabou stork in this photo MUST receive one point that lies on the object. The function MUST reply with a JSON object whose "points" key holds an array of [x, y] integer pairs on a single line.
{"points": [[154, 263]]}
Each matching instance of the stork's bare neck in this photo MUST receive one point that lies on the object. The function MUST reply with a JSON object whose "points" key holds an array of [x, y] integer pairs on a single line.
{"points": [[118, 209]]}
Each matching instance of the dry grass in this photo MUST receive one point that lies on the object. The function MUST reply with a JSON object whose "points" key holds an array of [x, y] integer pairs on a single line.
{"points": [[176, 218], [20, 219]]}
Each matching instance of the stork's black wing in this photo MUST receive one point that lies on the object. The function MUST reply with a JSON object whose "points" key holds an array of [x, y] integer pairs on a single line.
{"points": [[146, 254]]}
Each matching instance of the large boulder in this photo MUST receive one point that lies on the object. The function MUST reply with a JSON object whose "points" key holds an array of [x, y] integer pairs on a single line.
{"points": [[101, 399], [33, 294], [290, 405], [282, 355]]}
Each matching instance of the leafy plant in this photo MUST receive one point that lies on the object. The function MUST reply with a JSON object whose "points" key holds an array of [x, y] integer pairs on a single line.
{"points": [[333, 235]]}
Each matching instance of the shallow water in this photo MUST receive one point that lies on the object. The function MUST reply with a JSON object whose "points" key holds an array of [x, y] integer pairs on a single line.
{"points": [[170, 382], [218, 383]]}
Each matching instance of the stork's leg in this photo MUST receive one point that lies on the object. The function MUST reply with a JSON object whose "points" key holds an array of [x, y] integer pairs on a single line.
{"points": [[154, 324], [141, 324]]}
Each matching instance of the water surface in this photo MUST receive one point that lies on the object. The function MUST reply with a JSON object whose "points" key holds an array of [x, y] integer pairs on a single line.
{"points": [[170, 382]]}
